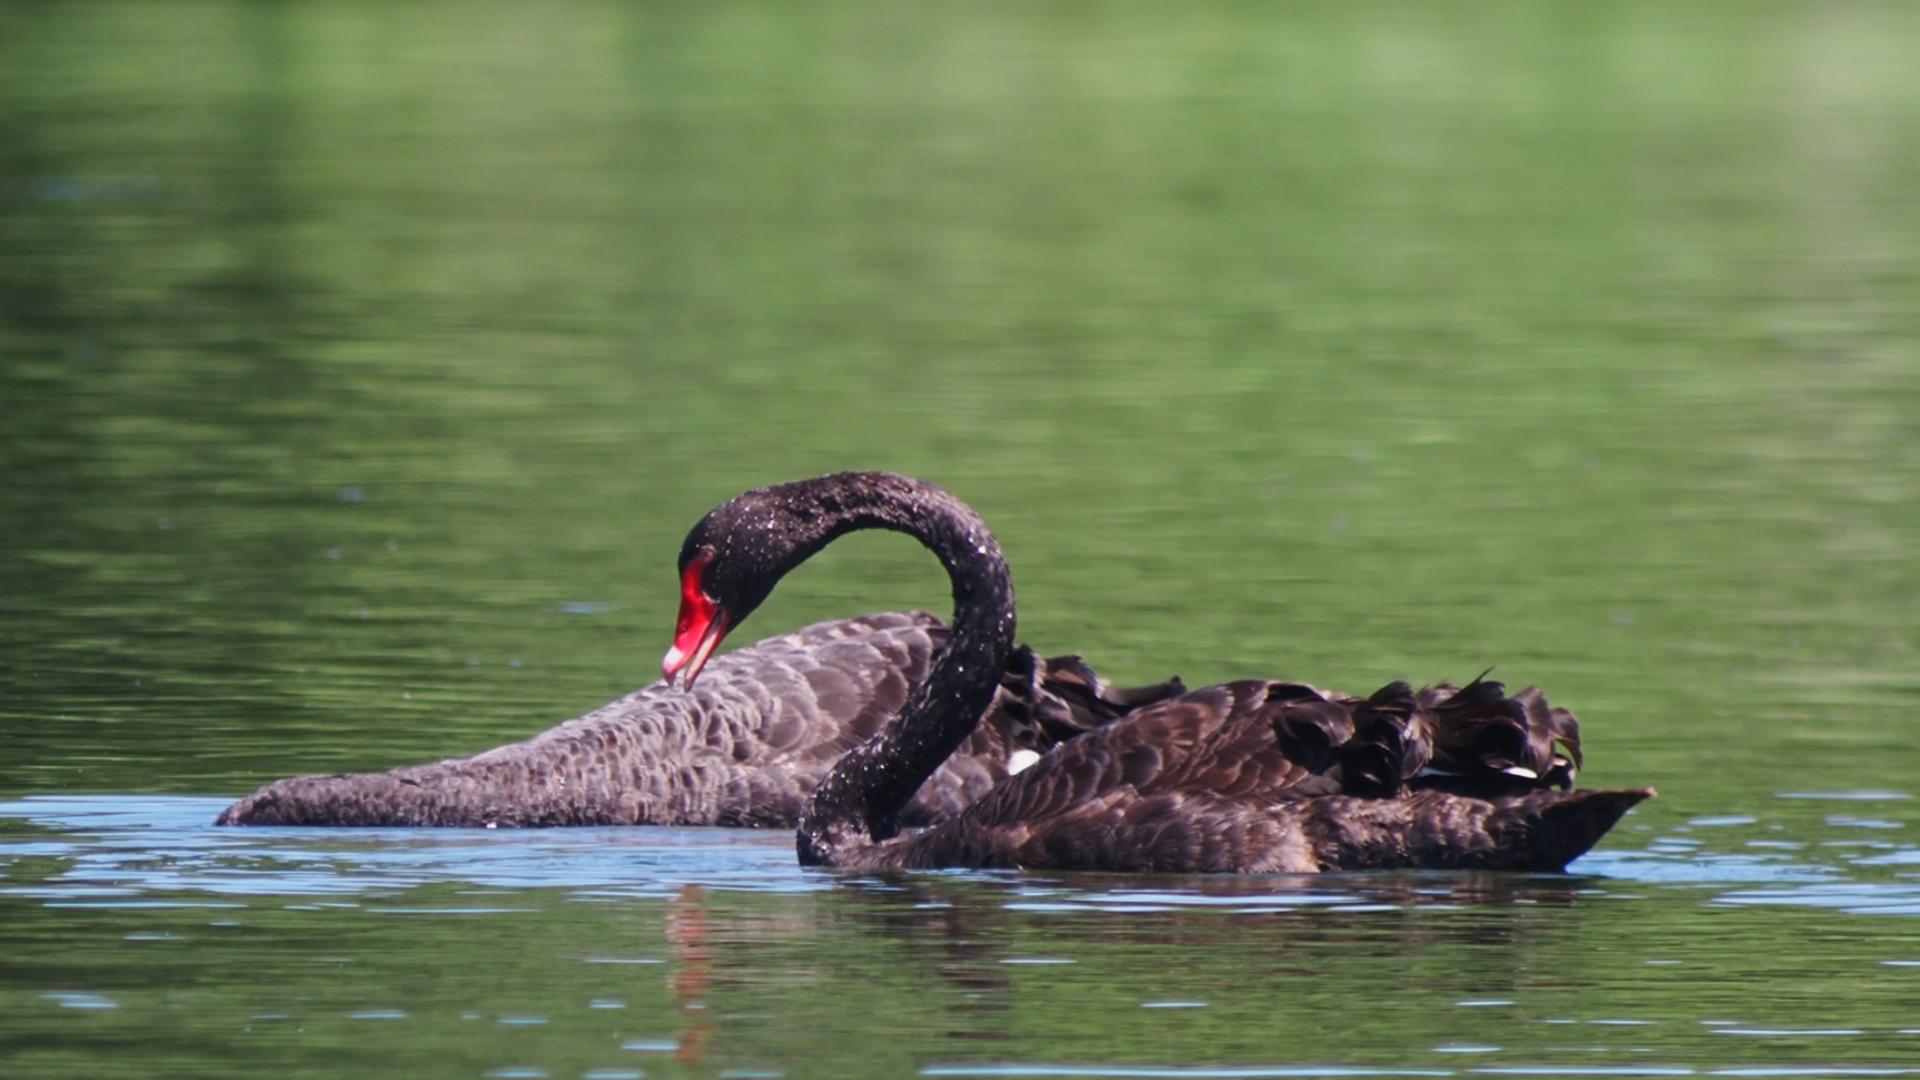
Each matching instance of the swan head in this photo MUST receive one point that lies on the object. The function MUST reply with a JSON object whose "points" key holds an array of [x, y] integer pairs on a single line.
{"points": [[735, 555], [730, 562]]}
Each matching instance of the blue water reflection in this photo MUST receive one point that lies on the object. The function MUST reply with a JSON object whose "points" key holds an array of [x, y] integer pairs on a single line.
{"points": [[130, 851], [690, 945]]}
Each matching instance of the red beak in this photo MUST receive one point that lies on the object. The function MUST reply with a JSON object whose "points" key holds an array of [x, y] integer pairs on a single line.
{"points": [[701, 626]]}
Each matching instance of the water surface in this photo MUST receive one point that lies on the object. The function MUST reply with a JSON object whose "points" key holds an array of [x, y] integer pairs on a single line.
{"points": [[137, 934]]}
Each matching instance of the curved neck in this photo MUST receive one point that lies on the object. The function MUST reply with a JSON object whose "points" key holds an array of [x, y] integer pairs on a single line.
{"points": [[860, 800]]}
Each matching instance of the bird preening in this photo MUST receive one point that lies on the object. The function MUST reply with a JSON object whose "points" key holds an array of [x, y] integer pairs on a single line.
{"points": [[896, 742], [1251, 776], [746, 749]]}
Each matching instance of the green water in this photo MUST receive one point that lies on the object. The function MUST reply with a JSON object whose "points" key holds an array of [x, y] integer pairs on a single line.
{"points": [[362, 365]]}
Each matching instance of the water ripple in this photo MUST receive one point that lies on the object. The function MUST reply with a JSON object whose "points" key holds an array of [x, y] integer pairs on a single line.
{"points": [[131, 852]]}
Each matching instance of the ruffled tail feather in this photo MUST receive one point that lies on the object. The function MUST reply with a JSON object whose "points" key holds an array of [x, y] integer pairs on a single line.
{"points": [[1062, 696], [1472, 739], [1480, 731]]}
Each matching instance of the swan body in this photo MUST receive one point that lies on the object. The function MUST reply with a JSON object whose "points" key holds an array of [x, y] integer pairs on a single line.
{"points": [[746, 748], [1250, 776], [1260, 776]]}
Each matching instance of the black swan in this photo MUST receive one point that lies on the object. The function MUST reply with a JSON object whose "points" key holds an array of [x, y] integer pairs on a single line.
{"points": [[745, 749], [1250, 776]]}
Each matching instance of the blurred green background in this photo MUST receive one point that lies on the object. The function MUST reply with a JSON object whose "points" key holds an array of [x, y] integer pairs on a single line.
{"points": [[362, 365]]}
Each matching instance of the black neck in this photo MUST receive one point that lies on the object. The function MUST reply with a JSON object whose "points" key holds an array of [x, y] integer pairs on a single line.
{"points": [[860, 800]]}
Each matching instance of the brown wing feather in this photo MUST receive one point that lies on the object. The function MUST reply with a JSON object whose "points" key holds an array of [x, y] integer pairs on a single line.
{"points": [[746, 747], [1261, 776]]}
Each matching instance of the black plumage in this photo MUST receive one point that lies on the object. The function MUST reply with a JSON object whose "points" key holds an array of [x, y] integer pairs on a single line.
{"points": [[1249, 776], [745, 748]]}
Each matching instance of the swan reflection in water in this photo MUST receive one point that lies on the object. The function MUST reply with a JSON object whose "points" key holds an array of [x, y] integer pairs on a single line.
{"points": [[972, 950]]}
